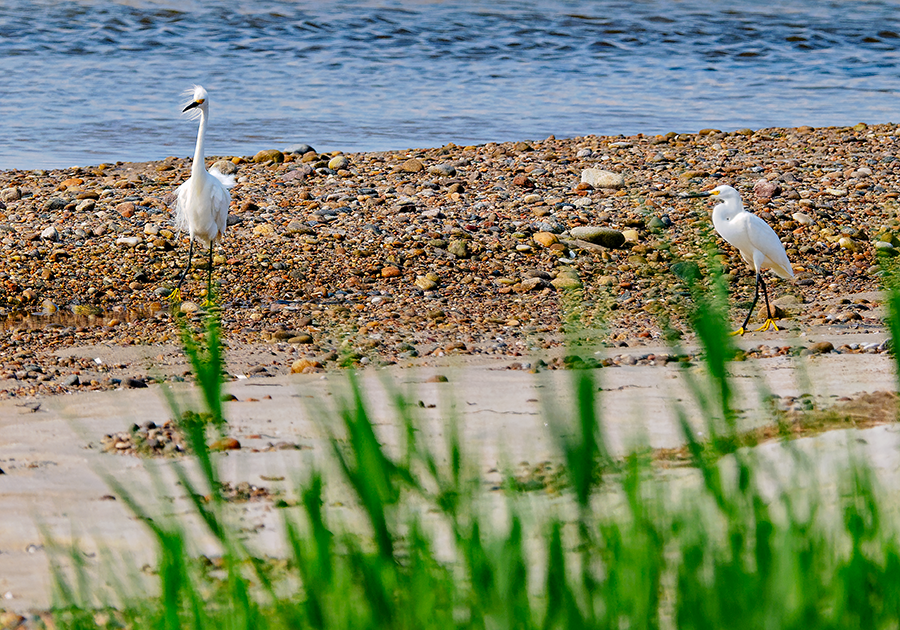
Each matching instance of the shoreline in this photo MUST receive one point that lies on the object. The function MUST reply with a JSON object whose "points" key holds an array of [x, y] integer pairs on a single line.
{"points": [[406, 257]]}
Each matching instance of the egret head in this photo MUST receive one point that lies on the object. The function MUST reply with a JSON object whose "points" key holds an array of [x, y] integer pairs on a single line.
{"points": [[199, 101], [725, 193]]}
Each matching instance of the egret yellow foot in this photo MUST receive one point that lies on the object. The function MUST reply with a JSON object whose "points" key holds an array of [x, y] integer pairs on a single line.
{"points": [[740, 331], [769, 323], [175, 296]]}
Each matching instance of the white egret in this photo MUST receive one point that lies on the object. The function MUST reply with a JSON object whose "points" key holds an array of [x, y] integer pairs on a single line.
{"points": [[201, 208], [757, 242]]}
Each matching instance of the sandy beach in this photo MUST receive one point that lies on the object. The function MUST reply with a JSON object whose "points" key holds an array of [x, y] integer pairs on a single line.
{"points": [[475, 263]]}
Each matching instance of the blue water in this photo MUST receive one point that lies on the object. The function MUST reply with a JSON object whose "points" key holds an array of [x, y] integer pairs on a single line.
{"points": [[89, 81]]}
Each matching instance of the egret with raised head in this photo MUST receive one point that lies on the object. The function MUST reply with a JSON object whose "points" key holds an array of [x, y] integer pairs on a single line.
{"points": [[757, 242], [201, 208]]}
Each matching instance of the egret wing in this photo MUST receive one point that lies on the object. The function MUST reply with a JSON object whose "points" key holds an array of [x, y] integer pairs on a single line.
{"points": [[765, 240]]}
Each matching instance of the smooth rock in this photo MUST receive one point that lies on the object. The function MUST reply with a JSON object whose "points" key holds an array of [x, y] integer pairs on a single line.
{"points": [[802, 218], [426, 284], [545, 239], [443, 170], [128, 241], [269, 155], [599, 178], [226, 167], [412, 165], [338, 163], [50, 234], [607, 237], [301, 148]]}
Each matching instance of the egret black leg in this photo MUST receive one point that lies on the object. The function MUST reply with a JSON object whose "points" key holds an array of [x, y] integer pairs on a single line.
{"points": [[209, 274], [769, 323], [743, 328], [176, 294]]}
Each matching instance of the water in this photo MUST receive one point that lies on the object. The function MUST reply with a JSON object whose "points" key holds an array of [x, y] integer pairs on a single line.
{"points": [[89, 81]]}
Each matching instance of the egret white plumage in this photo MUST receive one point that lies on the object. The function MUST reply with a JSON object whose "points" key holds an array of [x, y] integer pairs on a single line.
{"points": [[757, 242], [201, 208]]}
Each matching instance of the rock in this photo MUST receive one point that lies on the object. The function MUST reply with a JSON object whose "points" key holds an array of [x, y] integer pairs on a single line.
{"points": [[86, 205], [566, 282], [134, 383], [338, 163], [300, 148], [225, 444], [545, 239], [523, 181], [442, 170], [50, 234], [269, 155], [437, 378], [424, 283], [847, 243], [188, 307], [412, 165], [631, 236], [655, 223], [459, 248], [607, 237], [598, 178], [390, 272], [226, 167], [264, 229], [126, 209], [128, 241], [764, 189], [298, 174], [71, 381], [10, 194], [301, 366], [802, 218], [301, 339], [821, 347], [530, 199], [55, 204]]}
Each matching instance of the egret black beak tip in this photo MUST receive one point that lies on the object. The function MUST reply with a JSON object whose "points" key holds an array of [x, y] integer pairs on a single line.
{"points": [[190, 105], [695, 195]]}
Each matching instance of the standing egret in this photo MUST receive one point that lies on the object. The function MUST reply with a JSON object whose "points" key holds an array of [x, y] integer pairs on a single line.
{"points": [[757, 242], [201, 208]]}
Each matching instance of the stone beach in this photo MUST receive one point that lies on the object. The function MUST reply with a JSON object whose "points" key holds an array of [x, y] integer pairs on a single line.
{"points": [[335, 260], [455, 268]]}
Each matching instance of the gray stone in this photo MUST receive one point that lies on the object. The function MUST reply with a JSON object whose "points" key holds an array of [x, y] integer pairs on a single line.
{"points": [[128, 241], [598, 178], [55, 204], [299, 148], [50, 234], [298, 174], [226, 167], [86, 205], [443, 170], [10, 194], [607, 237], [71, 380]]}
